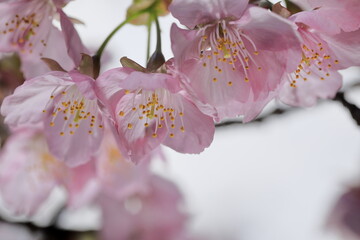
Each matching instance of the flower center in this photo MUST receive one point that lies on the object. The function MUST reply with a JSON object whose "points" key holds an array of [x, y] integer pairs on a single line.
{"points": [[223, 46], [24, 27], [316, 59], [46, 166], [72, 109], [159, 107]]}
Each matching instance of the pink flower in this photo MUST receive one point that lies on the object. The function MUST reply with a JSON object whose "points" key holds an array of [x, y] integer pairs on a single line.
{"points": [[331, 16], [154, 215], [27, 28], [346, 214], [149, 109], [235, 57], [66, 105], [117, 176], [326, 48], [29, 173], [25, 25]]}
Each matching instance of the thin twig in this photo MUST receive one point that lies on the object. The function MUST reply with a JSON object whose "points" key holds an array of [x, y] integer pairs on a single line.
{"points": [[353, 109]]}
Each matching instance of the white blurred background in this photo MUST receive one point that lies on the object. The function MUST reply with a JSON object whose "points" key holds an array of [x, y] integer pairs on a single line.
{"points": [[274, 180]]}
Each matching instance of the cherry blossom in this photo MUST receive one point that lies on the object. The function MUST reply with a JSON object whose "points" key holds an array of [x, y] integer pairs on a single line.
{"points": [[154, 215], [29, 173], [27, 28], [149, 109], [66, 105], [326, 48], [234, 58]]}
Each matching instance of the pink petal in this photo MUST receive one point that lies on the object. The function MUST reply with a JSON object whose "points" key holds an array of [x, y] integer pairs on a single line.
{"points": [[192, 13], [28, 172], [120, 177], [26, 104], [73, 42], [183, 44], [218, 93], [346, 48], [81, 185], [32, 65], [306, 93], [331, 16], [136, 139], [198, 130], [261, 26], [150, 81], [85, 84], [344, 14], [109, 82]]}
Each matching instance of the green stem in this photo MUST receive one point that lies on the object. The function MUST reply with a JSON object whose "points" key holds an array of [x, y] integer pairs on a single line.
{"points": [[157, 58], [158, 34], [149, 39], [97, 56], [127, 20]]}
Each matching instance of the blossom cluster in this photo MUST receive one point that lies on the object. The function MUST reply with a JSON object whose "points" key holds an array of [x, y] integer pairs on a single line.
{"points": [[94, 133]]}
